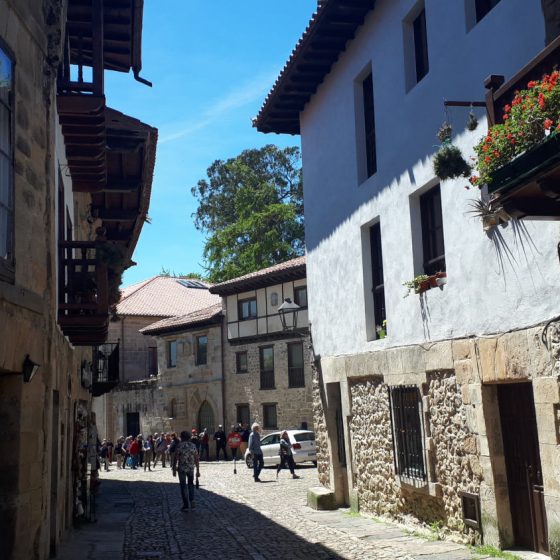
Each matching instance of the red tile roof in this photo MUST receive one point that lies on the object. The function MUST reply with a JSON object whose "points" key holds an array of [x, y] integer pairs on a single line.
{"points": [[290, 270], [163, 296], [205, 316]]}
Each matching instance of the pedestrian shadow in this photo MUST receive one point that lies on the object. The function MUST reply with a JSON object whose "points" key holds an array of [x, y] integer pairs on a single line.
{"points": [[158, 529]]}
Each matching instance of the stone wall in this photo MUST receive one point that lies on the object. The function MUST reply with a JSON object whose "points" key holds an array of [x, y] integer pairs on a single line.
{"points": [[320, 423], [293, 405]]}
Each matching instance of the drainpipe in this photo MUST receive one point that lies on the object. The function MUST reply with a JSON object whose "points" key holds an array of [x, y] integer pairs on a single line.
{"points": [[223, 374]]}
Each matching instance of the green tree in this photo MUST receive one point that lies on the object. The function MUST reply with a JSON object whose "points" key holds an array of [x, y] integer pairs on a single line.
{"points": [[251, 208]]}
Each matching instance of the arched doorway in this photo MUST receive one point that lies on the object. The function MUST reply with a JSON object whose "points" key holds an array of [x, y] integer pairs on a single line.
{"points": [[206, 418]]}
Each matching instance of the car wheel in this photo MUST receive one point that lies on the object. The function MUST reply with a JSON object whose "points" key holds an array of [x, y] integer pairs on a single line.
{"points": [[249, 461]]}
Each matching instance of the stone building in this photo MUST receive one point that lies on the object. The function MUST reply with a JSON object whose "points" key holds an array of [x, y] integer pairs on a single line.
{"points": [[267, 372], [441, 407], [190, 350], [137, 404], [65, 240]]}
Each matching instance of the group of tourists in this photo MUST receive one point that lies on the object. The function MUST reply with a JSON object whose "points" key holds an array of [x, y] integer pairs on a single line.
{"points": [[135, 452], [183, 454]]}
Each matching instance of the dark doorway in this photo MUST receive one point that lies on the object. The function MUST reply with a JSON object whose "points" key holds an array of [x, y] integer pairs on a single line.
{"points": [[523, 465], [133, 423]]}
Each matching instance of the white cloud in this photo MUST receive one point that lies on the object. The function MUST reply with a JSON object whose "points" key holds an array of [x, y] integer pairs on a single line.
{"points": [[243, 95]]}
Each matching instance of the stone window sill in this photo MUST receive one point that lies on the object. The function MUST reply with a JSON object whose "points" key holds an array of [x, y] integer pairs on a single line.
{"points": [[422, 487]]}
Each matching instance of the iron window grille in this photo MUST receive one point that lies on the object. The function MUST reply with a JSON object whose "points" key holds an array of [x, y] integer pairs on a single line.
{"points": [[201, 350], [296, 376], [406, 413], [241, 363], [247, 309], [378, 284], [369, 125], [267, 367], [269, 416], [432, 231]]}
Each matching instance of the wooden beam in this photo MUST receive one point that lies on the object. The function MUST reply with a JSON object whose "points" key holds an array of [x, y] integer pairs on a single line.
{"points": [[118, 215]]}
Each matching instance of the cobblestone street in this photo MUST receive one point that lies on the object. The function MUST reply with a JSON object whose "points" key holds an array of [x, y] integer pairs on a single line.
{"points": [[139, 517]]}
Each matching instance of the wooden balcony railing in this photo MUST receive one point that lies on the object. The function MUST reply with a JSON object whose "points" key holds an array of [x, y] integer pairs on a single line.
{"points": [[83, 308]]}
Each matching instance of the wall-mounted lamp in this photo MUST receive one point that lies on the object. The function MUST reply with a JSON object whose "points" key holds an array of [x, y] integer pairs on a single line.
{"points": [[29, 369], [288, 312]]}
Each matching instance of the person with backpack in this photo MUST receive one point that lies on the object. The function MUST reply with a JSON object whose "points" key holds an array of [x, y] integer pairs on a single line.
{"points": [[185, 461], [161, 450]]}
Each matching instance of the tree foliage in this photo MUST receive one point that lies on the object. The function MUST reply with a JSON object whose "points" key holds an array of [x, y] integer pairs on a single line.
{"points": [[251, 208]]}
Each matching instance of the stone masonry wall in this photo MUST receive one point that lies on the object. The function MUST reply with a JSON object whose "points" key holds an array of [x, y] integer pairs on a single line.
{"points": [[320, 422]]}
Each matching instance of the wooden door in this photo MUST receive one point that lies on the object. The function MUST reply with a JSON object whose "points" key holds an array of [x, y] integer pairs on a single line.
{"points": [[523, 465], [133, 423]]}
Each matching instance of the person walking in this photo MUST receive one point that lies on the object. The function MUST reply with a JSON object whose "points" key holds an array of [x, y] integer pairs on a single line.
{"points": [[104, 454], [185, 460], [245, 433], [204, 445], [134, 451], [220, 439], [286, 455], [256, 451], [119, 452], [172, 446], [148, 452]]}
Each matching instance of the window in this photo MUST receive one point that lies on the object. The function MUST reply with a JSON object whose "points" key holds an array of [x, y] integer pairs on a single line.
{"points": [[243, 414], [267, 367], [295, 365], [247, 309], [201, 350], [432, 231], [300, 296], [172, 353], [407, 431], [482, 7], [369, 125], [152, 360], [172, 408], [241, 364], [269, 417], [420, 45], [6, 169], [378, 285]]}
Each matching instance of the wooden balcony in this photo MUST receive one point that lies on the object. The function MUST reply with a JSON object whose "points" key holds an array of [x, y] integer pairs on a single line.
{"points": [[529, 186], [105, 371], [83, 309]]}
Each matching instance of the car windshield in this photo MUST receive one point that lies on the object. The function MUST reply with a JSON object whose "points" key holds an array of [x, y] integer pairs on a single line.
{"points": [[306, 436]]}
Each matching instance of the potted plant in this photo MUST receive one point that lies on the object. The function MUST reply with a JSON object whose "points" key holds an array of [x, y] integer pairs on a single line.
{"points": [[528, 140], [436, 279], [381, 329], [449, 162], [419, 284]]}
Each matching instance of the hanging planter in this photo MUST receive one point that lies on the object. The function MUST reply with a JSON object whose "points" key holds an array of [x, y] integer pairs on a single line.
{"points": [[449, 163]]}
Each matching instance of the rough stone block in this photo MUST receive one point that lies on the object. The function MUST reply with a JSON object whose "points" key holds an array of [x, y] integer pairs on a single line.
{"points": [[487, 353], [354, 501], [413, 359], [465, 372], [463, 349], [483, 446], [546, 390], [321, 498], [439, 356]]}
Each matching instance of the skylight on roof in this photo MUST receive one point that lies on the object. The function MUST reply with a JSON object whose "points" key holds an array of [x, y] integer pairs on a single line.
{"points": [[192, 284]]}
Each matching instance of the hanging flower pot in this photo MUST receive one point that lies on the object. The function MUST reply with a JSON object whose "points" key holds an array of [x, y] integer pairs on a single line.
{"points": [[449, 163]]}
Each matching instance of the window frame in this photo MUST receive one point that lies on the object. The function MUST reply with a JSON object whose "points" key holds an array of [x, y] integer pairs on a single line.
{"points": [[241, 303], [266, 420], [295, 381], [432, 231], [7, 265], [420, 39], [408, 432], [172, 353], [238, 362], [377, 277], [238, 416], [482, 8], [297, 298], [198, 354], [267, 380], [370, 143]]}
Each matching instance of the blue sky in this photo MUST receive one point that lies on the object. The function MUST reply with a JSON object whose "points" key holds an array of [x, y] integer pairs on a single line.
{"points": [[212, 64]]}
